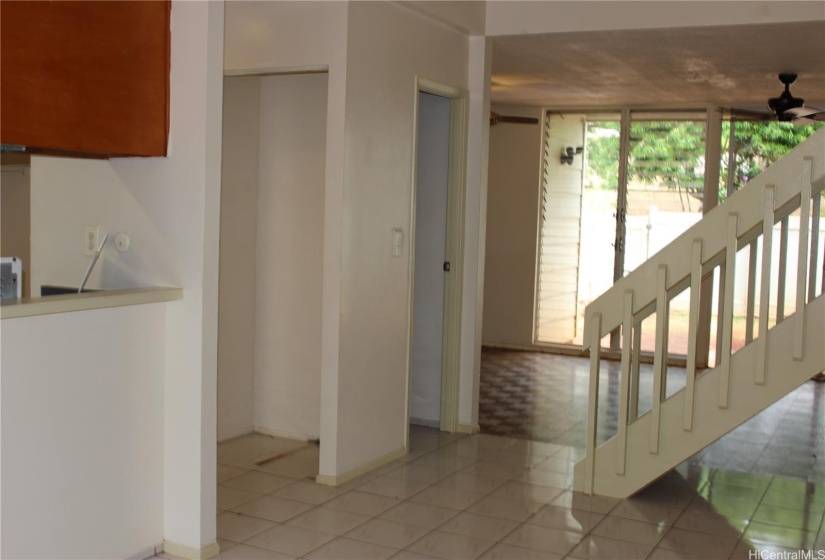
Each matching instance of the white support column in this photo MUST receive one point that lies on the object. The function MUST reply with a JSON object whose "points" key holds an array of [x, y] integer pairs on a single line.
{"points": [[693, 331], [635, 363], [765, 289], [817, 205], [720, 312], [659, 357], [727, 313], [750, 311], [782, 270], [593, 402], [802, 258], [624, 396]]}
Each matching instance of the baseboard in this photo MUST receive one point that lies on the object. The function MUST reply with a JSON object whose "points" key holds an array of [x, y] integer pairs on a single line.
{"points": [[568, 350], [468, 428], [236, 433], [424, 422], [363, 469], [184, 551], [145, 552], [281, 434], [675, 360]]}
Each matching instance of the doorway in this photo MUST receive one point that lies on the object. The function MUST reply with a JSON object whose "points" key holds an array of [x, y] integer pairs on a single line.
{"points": [[436, 256], [272, 223]]}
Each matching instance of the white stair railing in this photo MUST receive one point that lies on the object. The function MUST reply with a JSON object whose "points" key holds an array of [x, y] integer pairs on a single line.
{"points": [[793, 183]]}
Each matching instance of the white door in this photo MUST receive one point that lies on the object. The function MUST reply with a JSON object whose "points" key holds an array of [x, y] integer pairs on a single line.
{"points": [[432, 173]]}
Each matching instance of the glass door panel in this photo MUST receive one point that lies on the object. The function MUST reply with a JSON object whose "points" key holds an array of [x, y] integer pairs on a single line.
{"points": [[665, 186]]}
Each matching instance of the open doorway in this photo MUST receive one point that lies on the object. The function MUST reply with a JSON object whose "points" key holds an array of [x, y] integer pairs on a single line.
{"points": [[432, 183], [436, 256], [269, 342]]}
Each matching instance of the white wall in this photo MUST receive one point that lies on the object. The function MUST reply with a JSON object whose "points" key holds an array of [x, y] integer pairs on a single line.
{"points": [[82, 433], [430, 252], [290, 217], [239, 225], [373, 51], [464, 15], [514, 17], [266, 35], [66, 195], [388, 46], [512, 223], [170, 207]]}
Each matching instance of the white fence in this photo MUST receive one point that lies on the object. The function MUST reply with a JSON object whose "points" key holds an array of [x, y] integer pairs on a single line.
{"points": [[647, 235]]}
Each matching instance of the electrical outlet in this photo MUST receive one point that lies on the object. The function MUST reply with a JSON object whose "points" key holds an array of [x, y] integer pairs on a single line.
{"points": [[91, 240]]}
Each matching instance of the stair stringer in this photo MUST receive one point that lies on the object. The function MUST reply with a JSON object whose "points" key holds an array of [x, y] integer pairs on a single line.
{"points": [[783, 374]]}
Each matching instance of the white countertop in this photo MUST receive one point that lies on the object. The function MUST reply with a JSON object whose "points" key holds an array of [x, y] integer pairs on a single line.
{"points": [[29, 307]]}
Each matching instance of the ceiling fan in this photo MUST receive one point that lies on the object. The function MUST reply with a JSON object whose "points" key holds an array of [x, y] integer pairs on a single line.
{"points": [[786, 107], [495, 118]]}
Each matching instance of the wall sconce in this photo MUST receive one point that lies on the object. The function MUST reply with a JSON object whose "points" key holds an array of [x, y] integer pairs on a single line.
{"points": [[567, 155]]}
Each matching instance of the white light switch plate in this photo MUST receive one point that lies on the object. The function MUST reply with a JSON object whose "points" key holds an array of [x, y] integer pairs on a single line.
{"points": [[397, 242]]}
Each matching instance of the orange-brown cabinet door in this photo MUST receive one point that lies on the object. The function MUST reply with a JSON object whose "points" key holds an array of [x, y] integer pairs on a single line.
{"points": [[85, 78]]}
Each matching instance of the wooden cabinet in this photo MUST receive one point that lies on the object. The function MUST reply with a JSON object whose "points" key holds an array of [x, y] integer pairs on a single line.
{"points": [[85, 78]]}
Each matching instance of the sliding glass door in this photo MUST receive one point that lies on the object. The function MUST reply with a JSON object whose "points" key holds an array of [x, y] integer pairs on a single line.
{"points": [[619, 186]]}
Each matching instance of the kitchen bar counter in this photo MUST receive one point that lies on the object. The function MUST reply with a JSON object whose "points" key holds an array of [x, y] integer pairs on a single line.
{"points": [[29, 307]]}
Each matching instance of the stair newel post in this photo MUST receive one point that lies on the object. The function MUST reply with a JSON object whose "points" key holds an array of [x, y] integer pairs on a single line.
{"points": [[693, 333], [802, 260], [659, 356], [782, 270], [727, 322], [765, 289], [592, 403], [624, 395], [750, 312]]}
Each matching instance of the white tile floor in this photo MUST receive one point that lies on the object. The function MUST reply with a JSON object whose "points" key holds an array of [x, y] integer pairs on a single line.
{"points": [[482, 496]]}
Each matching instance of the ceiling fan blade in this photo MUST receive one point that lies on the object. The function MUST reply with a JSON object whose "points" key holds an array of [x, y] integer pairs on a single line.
{"points": [[812, 118], [801, 112]]}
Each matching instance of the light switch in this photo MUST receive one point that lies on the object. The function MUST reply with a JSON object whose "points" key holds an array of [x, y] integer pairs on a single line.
{"points": [[397, 242], [91, 240]]}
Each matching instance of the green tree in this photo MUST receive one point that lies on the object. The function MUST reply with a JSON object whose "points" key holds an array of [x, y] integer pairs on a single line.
{"points": [[602, 155], [757, 145], [671, 153]]}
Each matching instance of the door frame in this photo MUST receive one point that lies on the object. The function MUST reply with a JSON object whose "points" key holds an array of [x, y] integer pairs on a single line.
{"points": [[453, 286]]}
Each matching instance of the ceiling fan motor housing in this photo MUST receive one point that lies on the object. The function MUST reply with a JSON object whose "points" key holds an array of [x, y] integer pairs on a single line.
{"points": [[780, 105]]}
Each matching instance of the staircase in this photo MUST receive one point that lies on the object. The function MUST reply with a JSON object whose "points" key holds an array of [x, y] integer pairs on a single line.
{"points": [[780, 352]]}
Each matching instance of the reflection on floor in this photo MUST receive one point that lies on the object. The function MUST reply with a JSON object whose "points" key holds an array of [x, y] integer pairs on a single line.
{"points": [[483, 496], [508, 497], [543, 397]]}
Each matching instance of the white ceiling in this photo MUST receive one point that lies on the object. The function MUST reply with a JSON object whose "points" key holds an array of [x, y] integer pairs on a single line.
{"points": [[729, 66]]}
